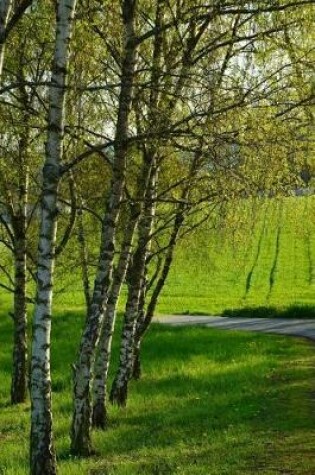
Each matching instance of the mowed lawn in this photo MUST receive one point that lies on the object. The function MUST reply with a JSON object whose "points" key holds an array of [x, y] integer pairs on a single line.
{"points": [[209, 403], [256, 254], [262, 254]]}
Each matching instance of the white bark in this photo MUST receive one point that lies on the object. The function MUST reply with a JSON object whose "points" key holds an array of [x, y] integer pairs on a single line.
{"points": [[136, 277], [81, 423], [105, 342], [5, 10], [42, 449]]}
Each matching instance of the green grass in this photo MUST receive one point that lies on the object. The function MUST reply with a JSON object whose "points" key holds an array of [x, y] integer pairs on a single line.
{"points": [[210, 402], [258, 260], [262, 255]]}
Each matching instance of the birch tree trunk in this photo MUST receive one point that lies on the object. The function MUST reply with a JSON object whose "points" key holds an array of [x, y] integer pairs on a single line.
{"points": [[19, 368], [83, 258], [145, 316], [136, 367], [19, 382], [104, 346], [43, 460], [119, 390], [82, 416], [5, 10], [144, 322]]}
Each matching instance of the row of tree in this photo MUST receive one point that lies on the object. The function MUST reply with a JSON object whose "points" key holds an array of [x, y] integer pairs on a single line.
{"points": [[123, 127]]}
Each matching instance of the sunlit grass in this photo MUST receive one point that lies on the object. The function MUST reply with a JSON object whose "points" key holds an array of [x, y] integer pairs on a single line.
{"points": [[209, 403], [237, 264], [212, 267]]}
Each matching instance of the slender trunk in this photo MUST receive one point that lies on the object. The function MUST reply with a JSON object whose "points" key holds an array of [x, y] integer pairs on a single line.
{"points": [[164, 274], [99, 414], [19, 382], [119, 390], [104, 346], [43, 459], [72, 218], [5, 10], [145, 317], [137, 367], [81, 422], [82, 415]]}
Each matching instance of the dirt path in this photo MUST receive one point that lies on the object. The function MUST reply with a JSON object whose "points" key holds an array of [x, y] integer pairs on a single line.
{"points": [[284, 326]]}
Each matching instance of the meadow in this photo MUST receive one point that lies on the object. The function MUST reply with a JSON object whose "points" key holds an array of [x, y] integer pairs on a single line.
{"points": [[253, 257], [209, 402], [260, 254]]}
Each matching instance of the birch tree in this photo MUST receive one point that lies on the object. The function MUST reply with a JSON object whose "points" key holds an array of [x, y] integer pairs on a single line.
{"points": [[21, 118], [43, 459], [13, 220], [82, 416], [5, 10], [136, 278], [104, 347], [10, 14]]}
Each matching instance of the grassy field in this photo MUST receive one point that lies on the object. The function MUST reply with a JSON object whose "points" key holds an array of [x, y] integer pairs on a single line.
{"points": [[261, 255], [209, 403]]}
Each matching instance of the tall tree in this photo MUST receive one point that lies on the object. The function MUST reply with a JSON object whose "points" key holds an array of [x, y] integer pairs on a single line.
{"points": [[43, 459], [82, 416], [21, 118], [10, 14], [136, 202]]}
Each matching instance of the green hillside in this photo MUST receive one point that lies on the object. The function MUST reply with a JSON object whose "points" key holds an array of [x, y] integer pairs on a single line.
{"points": [[260, 254], [254, 254]]}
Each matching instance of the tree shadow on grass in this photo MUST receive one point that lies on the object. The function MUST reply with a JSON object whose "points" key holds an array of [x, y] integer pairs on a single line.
{"points": [[199, 386], [190, 419], [294, 311], [201, 389]]}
